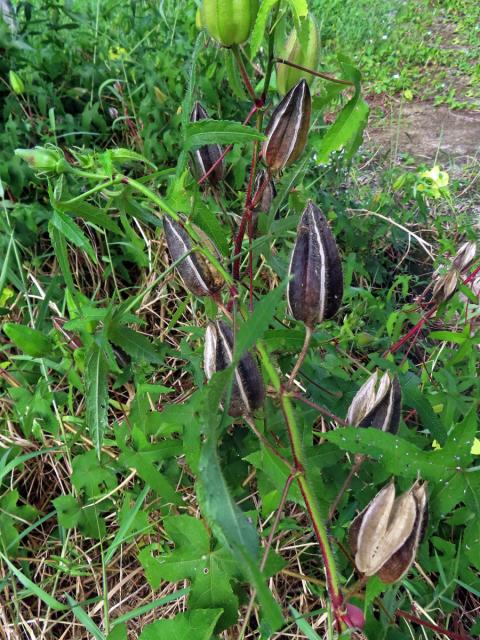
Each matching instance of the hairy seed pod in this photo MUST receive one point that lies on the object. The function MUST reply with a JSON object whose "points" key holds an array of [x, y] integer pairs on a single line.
{"points": [[305, 55], [315, 288], [198, 275], [385, 536], [287, 130], [377, 404], [264, 186], [229, 22], [205, 157], [248, 391]]}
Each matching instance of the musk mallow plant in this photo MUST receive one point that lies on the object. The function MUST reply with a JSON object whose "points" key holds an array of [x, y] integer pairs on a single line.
{"points": [[221, 280]]}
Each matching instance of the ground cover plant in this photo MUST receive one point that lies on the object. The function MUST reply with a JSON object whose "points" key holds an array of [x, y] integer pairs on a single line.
{"points": [[239, 385]]}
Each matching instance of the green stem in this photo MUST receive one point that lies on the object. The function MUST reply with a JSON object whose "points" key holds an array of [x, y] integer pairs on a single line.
{"points": [[271, 44], [88, 193]]}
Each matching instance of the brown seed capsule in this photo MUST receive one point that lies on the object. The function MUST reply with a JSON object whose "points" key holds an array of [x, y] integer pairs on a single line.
{"points": [[248, 391], [315, 288], [198, 275], [385, 536], [205, 157], [377, 404], [264, 186], [287, 130]]}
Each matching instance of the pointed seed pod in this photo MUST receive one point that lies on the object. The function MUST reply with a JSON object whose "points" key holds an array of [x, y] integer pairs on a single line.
{"points": [[303, 51], [205, 157], [229, 22], [385, 536], [315, 288], [248, 391], [266, 186], [198, 275], [287, 130], [377, 404]]}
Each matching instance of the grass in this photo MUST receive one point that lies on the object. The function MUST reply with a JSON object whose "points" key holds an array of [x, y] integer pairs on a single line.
{"points": [[80, 533]]}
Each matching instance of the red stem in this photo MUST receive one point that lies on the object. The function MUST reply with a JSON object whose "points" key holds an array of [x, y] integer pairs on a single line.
{"points": [[429, 625]]}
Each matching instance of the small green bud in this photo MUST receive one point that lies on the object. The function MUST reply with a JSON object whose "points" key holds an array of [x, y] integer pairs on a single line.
{"points": [[305, 55], [43, 160], [16, 83], [229, 21]]}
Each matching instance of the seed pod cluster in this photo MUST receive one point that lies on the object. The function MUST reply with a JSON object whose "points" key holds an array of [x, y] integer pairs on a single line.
{"points": [[315, 288], [385, 536], [287, 130], [229, 22], [305, 55], [248, 391], [377, 404], [205, 157], [446, 284], [198, 275]]}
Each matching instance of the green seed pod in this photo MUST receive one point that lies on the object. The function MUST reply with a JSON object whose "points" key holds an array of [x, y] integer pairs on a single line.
{"points": [[229, 21], [377, 404], [248, 392], [205, 157], [198, 275], [43, 160], [305, 56], [385, 536], [16, 83], [315, 288], [287, 130]]}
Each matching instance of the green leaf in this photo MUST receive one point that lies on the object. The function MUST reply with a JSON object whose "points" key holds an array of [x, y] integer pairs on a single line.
{"points": [[73, 233], [414, 398], [303, 625], [299, 8], [30, 341], [211, 572], [96, 392], [126, 525], [83, 617], [59, 245], [260, 26], [91, 214], [68, 511], [159, 602], [260, 320], [210, 131], [197, 625], [135, 344], [119, 632]]}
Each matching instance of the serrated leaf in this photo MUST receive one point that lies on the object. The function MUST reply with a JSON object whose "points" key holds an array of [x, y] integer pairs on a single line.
{"points": [[299, 8], [59, 245], [209, 131], [197, 625], [135, 344], [96, 394], [68, 511], [73, 233]]}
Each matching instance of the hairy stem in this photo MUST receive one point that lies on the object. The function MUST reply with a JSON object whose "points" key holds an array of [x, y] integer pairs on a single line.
{"points": [[318, 74], [301, 357]]}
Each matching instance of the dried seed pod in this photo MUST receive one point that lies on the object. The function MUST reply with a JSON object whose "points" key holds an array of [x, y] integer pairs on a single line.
{"points": [[465, 256], [205, 157], [264, 186], [315, 288], [446, 284], [385, 536], [248, 391], [305, 56], [287, 130], [229, 21], [198, 275], [377, 404]]}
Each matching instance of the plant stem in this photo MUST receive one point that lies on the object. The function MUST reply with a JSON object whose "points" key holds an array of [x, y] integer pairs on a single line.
{"points": [[359, 459], [298, 396], [268, 444], [301, 357], [318, 74], [243, 72], [314, 512]]}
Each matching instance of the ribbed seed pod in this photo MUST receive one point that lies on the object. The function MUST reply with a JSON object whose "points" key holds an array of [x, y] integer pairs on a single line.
{"points": [[315, 288], [377, 404], [205, 157], [385, 536], [229, 21], [305, 56], [267, 196], [248, 391], [287, 130], [198, 275]]}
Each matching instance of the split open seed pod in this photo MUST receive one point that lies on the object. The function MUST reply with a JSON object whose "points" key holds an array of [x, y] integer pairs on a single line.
{"points": [[287, 130], [384, 537], [264, 192], [446, 283], [248, 391], [377, 404], [198, 275], [204, 158], [315, 288]]}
